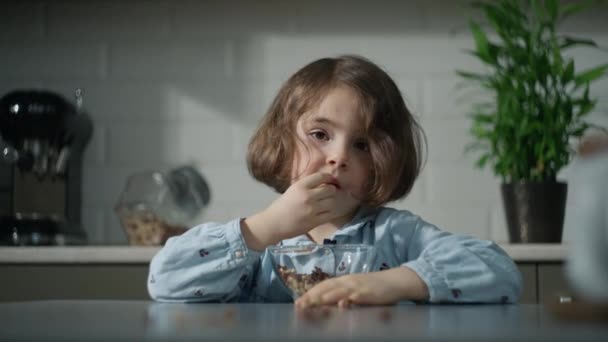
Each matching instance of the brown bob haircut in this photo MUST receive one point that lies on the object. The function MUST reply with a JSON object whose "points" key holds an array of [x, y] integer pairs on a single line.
{"points": [[396, 141]]}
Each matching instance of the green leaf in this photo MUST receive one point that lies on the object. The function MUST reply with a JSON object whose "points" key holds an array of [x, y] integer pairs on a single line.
{"points": [[493, 53], [590, 75], [570, 9], [558, 62], [482, 118], [552, 8], [579, 131], [540, 13], [494, 18], [586, 108], [481, 43], [472, 75], [568, 74], [474, 146], [570, 42], [599, 128], [481, 162]]}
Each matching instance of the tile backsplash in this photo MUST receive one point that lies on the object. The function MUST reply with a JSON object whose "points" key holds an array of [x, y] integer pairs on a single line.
{"points": [[172, 82]]}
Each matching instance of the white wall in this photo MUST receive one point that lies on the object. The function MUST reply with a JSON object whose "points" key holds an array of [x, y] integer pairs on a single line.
{"points": [[170, 82]]}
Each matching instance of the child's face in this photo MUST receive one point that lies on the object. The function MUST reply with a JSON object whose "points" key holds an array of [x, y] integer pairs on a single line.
{"points": [[333, 141]]}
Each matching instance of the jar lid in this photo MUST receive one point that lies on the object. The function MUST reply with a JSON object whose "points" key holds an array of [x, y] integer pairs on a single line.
{"points": [[189, 188]]}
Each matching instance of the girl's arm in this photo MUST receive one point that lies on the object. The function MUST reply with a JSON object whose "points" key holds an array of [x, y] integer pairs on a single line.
{"points": [[209, 262], [459, 268], [431, 266]]}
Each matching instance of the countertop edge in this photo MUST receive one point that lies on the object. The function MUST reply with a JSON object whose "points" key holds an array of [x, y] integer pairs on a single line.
{"points": [[142, 255], [77, 255], [537, 252]]}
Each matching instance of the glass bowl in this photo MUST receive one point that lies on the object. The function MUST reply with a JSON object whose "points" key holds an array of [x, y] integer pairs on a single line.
{"points": [[302, 267]]}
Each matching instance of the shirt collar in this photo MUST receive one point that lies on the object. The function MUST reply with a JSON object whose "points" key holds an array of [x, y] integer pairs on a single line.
{"points": [[363, 215]]}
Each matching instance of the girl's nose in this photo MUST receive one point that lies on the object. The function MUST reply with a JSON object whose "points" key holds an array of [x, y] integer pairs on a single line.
{"points": [[338, 157]]}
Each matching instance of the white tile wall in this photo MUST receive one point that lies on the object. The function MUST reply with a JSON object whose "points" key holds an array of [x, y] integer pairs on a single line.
{"points": [[171, 82]]}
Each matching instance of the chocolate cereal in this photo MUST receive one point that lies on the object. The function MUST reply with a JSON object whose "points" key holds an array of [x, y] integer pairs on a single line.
{"points": [[147, 229], [299, 283]]}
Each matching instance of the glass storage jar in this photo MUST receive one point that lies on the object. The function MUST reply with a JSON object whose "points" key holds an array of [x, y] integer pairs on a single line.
{"points": [[157, 205]]}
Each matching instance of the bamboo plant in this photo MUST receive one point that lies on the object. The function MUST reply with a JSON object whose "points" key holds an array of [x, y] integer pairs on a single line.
{"points": [[540, 100]]}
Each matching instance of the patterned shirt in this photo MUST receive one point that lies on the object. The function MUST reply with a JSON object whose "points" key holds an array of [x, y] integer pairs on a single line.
{"points": [[212, 263]]}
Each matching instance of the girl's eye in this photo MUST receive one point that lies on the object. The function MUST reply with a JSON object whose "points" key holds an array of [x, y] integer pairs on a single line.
{"points": [[362, 145], [319, 135]]}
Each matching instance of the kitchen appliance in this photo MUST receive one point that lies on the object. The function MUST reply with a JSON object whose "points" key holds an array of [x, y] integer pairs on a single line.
{"points": [[43, 140]]}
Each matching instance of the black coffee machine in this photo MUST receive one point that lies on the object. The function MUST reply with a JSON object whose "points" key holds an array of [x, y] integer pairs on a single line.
{"points": [[43, 140]]}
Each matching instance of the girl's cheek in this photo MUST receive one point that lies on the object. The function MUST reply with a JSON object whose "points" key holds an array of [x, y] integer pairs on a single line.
{"points": [[356, 196]]}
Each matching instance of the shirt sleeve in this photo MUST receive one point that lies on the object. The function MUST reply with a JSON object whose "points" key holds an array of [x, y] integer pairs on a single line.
{"points": [[209, 262], [460, 268]]}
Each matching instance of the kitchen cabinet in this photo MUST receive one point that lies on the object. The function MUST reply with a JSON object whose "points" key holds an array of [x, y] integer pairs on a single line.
{"points": [[68, 281], [552, 283], [545, 283], [529, 293], [542, 282]]}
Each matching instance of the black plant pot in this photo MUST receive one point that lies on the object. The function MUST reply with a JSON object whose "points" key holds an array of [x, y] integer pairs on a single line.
{"points": [[535, 211]]}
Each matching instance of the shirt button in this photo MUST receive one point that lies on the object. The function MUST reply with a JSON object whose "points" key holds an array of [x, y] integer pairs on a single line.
{"points": [[238, 254]]}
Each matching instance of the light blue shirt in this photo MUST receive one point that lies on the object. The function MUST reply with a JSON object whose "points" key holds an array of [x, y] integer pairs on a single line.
{"points": [[212, 263]]}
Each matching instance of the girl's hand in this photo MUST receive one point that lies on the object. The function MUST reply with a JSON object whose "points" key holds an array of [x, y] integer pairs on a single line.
{"points": [[375, 288], [307, 203]]}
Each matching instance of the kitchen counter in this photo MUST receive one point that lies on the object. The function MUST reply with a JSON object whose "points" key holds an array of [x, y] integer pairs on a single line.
{"points": [[82, 272], [111, 320], [143, 255]]}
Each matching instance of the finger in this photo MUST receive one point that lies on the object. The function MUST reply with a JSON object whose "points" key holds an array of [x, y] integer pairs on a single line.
{"points": [[325, 215], [329, 206], [353, 290], [322, 192], [313, 314], [300, 303], [306, 301], [328, 202], [312, 297], [316, 292], [316, 179], [344, 304], [335, 295], [365, 296]]}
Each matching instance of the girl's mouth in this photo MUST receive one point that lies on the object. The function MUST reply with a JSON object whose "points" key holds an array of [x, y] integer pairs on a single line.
{"points": [[335, 183]]}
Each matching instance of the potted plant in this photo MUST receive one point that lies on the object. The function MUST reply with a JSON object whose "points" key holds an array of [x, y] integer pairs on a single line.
{"points": [[537, 105]]}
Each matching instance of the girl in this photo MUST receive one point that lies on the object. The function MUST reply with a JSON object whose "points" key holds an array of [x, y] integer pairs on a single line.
{"points": [[338, 142]]}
